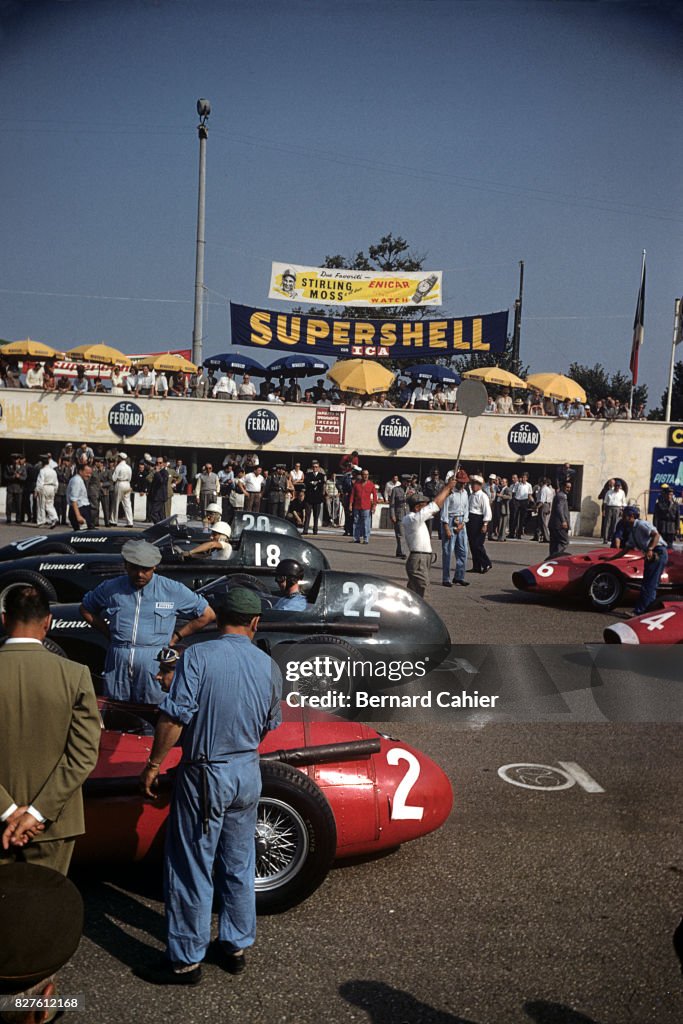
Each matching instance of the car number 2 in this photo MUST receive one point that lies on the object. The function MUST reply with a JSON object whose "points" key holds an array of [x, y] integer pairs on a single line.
{"points": [[369, 598], [401, 809]]}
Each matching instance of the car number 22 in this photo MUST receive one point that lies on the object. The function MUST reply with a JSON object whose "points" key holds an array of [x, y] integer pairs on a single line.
{"points": [[368, 597]]}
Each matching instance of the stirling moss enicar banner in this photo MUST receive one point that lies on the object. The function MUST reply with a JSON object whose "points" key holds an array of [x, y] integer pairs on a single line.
{"points": [[399, 339], [337, 287]]}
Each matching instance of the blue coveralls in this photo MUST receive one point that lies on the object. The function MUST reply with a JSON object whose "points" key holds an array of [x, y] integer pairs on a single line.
{"points": [[141, 622], [455, 509], [290, 603], [227, 694], [639, 538]]}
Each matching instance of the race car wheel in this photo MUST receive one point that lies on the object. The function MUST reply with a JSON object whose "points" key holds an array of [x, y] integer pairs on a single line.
{"points": [[604, 589], [340, 652], [296, 838], [23, 578], [243, 579]]}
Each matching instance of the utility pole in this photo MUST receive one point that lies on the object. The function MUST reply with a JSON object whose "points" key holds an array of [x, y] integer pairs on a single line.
{"points": [[203, 109], [516, 331]]}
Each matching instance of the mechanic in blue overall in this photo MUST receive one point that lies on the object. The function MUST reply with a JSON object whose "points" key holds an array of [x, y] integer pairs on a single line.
{"points": [[226, 694], [137, 613], [289, 573], [455, 513], [642, 536]]}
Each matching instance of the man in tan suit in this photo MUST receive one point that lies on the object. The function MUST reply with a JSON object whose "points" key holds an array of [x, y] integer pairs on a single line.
{"points": [[49, 738]]}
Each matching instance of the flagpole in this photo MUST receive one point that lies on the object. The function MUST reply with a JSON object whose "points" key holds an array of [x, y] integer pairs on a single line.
{"points": [[675, 341], [638, 330]]}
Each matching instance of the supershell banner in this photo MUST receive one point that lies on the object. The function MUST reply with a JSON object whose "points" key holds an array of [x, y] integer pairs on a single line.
{"points": [[400, 339], [330, 287]]}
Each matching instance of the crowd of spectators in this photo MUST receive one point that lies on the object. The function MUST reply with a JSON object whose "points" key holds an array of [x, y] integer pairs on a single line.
{"points": [[144, 382]]}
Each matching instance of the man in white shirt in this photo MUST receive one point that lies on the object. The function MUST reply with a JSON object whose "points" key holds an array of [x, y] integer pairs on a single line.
{"points": [[421, 398], [254, 482], [247, 389], [146, 381], [46, 488], [519, 506], [504, 403], [121, 478], [419, 539], [225, 387], [613, 505], [543, 507], [451, 395], [77, 499], [480, 516], [35, 376]]}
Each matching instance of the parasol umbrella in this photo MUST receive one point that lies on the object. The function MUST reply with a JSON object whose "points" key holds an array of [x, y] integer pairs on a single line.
{"points": [[362, 376], [436, 374], [495, 375], [297, 366], [105, 355], [555, 385], [27, 348], [236, 364], [169, 363]]}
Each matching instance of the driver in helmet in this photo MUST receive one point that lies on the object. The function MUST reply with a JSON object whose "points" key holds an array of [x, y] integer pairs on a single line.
{"points": [[289, 573], [218, 546]]}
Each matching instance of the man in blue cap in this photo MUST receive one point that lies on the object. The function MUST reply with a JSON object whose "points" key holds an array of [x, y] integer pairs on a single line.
{"points": [[643, 536], [224, 698], [137, 613]]}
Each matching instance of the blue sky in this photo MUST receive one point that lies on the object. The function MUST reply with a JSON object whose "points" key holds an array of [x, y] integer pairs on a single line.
{"points": [[484, 133]]}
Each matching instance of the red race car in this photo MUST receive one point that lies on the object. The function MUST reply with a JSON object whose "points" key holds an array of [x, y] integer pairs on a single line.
{"points": [[591, 576], [663, 625], [331, 789]]}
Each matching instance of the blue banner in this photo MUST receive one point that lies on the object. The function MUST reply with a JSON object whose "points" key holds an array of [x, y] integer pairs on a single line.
{"points": [[396, 339], [667, 468]]}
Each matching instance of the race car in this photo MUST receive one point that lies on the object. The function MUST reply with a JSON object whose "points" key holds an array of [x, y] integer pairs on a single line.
{"points": [[108, 541], [67, 577], [360, 633], [592, 575], [661, 625], [331, 790]]}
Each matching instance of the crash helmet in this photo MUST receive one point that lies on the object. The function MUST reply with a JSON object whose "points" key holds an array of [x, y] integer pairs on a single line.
{"points": [[214, 507], [168, 657], [290, 569], [222, 528]]}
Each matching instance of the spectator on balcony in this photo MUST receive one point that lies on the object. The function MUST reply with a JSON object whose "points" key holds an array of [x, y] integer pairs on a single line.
{"points": [[439, 399], [146, 382], [132, 381], [226, 388], [451, 396], [421, 398], [49, 383], [293, 391], [117, 381], [161, 385], [80, 385], [504, 403], [247, 389], [535, 404], [490, 405], [576, 410], [34, 375]]}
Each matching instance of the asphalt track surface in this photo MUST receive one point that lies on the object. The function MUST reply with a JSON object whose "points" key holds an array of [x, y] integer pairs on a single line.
{"points": [[553, 905]]}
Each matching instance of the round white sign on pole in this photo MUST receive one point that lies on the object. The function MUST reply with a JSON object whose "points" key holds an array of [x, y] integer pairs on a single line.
{"points": [[472, 397]]}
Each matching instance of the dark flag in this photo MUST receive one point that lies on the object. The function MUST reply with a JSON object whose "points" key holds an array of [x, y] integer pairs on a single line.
{"points": [[638, 326]]}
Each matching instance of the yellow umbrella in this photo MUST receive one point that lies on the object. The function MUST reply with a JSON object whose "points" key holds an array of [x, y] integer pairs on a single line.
{"points": [[494, 375], [27, 348], [555, 385], [362, 376], [169, 363], [106, 355]]}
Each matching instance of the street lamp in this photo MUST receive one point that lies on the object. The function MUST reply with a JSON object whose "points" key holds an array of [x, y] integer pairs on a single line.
{"points": [[203, 109]]}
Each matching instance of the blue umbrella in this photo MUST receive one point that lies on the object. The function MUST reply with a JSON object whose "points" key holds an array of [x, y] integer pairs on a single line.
{"points": [[235, 363], [297, 366], [436, 374]]}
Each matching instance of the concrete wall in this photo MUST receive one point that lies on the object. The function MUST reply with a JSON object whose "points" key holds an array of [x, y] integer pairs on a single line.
{"points": [[599, 449]]}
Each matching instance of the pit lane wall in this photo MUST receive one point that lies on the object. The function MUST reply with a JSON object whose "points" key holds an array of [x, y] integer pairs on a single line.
{"points": [[599, 449]]}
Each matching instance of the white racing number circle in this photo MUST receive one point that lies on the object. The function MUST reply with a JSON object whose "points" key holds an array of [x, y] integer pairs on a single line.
{"points": [[536, 776]]}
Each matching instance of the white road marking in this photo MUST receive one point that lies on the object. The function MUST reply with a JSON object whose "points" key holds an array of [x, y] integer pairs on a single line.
{"points": [[578, 773]]}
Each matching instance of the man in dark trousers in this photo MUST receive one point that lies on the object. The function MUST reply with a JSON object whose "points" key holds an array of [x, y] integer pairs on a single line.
{"points": [[49, 738], [14, 478], [158, 491], [559, 521], [315, 494], [224, 699]]}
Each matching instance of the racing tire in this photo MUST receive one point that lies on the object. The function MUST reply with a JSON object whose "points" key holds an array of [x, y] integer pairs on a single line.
{"points": [[322, 646], [604, 589], [244, 579], [23, 578], [58, 549], [54, 648], [296, 838]]}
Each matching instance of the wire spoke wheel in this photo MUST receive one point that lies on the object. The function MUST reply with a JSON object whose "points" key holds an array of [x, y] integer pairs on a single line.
{"points": [[281, 844]]}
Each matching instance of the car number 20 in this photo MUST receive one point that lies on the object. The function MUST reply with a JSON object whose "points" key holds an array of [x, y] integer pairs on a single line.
{"points": [[368, 598], [400, 808]]}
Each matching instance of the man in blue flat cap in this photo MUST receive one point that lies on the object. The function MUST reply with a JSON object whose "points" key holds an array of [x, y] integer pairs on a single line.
{"points": [[137, 613], [224, 698]]}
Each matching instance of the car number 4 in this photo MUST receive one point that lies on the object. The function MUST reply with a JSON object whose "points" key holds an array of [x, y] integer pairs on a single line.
{"points": [[657, 621], [401, 809]]}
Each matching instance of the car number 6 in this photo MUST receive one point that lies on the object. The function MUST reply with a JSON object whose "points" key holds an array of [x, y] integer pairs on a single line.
{"points": [[547, 569], [400, 809]]}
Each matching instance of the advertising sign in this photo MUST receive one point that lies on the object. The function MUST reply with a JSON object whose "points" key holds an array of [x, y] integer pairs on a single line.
{"points": [[125, 419], [675, 436], [667, 468], [330, 424], [394, 432], [399, 339], [326, 286], [262, 426], [524, 438]]}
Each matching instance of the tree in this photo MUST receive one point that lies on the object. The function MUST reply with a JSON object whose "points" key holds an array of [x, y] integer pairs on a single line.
{"points": [[597, 384], [676, 398], [478, 360]]}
